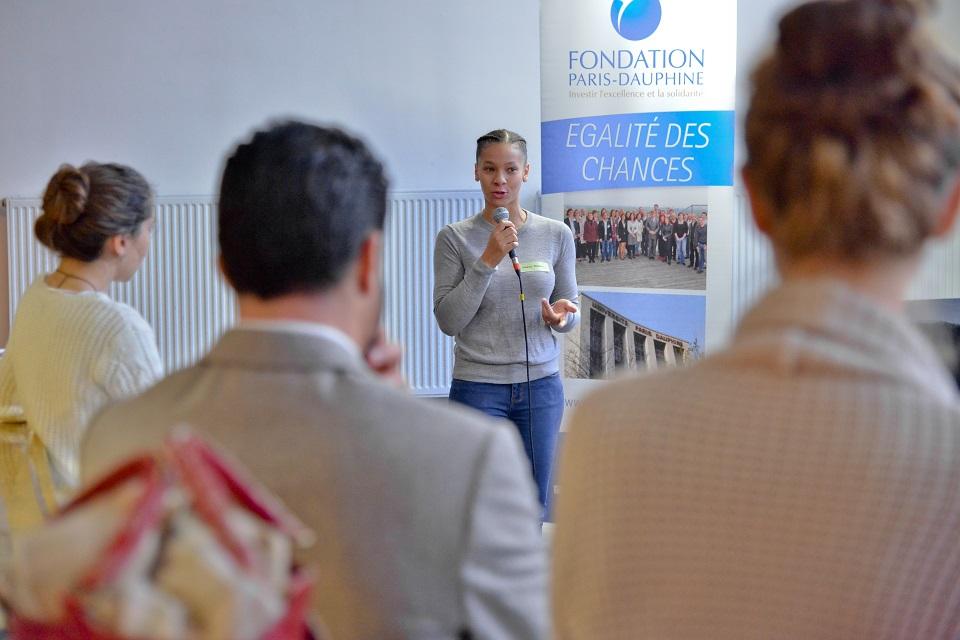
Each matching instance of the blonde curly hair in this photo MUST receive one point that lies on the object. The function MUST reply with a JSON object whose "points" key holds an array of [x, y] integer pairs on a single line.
{"points": [[853, 130]]}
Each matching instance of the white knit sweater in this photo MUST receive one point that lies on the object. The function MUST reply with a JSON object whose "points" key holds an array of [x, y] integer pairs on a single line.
{"points": [[68, 355]]}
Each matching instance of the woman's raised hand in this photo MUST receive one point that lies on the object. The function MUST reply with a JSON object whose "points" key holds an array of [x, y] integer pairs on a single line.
{"points": [[555, 315]]}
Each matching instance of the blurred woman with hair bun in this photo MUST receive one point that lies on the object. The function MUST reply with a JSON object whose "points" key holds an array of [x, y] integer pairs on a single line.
{"points": [[72, 349], [807, 485]]}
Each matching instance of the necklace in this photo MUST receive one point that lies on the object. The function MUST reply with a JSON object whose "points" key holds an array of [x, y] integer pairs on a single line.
{"points": [[66, 276]]}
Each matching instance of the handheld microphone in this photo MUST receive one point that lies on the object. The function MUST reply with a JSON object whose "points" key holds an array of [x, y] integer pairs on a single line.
{"points": [[499, 215]]}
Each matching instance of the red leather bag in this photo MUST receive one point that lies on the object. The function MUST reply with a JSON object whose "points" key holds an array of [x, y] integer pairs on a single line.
{"points": [[212, 487]]}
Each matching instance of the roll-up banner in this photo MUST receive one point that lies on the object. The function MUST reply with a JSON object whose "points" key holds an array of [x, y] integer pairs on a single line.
{"points": [[638, 157]]}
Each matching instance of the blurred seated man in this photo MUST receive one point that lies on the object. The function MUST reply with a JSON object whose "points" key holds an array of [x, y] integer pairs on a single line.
{"points": [[807, 485], [426, 517]]}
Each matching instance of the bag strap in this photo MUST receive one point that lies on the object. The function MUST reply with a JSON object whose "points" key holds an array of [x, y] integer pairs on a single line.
{"points": [[242, 487], [145, 514], [292, 625], [211, 498]]}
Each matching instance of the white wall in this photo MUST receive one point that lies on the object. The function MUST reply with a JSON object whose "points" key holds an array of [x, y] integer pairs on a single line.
{"points": [[169, 86]]}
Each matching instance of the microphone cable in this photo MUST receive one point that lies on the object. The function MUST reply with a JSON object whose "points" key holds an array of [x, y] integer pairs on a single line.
{"points": [[526, 349], [500, 215]]}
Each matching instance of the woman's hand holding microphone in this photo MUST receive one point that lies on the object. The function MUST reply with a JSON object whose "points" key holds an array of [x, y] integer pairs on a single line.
{"points": [[502, 239]]}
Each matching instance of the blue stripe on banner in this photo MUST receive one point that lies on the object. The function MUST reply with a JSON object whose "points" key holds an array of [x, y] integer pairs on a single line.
{"points": [[666, 149]]}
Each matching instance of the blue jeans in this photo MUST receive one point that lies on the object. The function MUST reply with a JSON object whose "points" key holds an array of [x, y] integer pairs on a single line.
{"points": [[681, 250], [510, 401], [606, 250]]}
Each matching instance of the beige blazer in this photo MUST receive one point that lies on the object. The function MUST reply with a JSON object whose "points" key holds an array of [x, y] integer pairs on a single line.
{"points": [[805, 484], [426, 517]]}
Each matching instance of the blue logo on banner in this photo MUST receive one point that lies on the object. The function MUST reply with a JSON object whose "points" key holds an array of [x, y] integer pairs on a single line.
{"points": [[635, 19]]}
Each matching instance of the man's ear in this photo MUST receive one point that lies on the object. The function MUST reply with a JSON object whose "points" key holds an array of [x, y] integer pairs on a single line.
{"points": [[223, 270], [949, 215], [368, 262], [759, 207], [476, 173]]}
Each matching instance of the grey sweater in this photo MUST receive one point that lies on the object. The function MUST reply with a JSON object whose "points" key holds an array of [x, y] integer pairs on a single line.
{"points": [[480, 306]]}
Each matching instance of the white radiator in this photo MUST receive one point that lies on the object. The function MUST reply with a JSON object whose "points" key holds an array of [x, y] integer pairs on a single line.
{"points": [[183, 297], [178, 289], [754, 269], [413, 221]]}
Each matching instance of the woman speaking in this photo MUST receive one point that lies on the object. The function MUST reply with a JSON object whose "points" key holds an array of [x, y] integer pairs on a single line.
{"points": [[504, 339]]}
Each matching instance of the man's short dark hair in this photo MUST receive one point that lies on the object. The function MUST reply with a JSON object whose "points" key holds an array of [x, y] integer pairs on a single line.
{"points": [[296, 203]]}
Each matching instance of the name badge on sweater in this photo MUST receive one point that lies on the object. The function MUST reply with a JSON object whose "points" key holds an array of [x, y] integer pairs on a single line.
{"points": [[527, 267]]}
